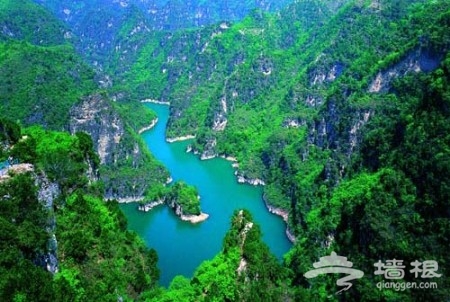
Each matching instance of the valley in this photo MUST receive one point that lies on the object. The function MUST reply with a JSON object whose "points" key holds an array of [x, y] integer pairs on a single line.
{"points": [[338, 112]]}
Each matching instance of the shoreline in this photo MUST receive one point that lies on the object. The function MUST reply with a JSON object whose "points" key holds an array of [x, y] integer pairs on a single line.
{"points": [[152, 124], [207, 157], [155, 102], [229, 158], [126, 199], [180, 138], [234, 164], [147, 207], [251, 181], [195, 218], [284, 215]]}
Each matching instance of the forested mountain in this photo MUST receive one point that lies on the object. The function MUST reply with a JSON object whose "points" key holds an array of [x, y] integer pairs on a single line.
{"points": [[106, 28], [43, 81], [59, 240], [341, 108], [161, 14]]}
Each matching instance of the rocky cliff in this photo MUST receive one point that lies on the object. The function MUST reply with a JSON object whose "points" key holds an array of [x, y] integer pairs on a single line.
{"points": [[127, 168], [47, 193]]}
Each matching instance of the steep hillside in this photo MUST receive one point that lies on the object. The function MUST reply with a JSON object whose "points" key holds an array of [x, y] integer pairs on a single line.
{"points": [[283, 82], [339, 109], [115, 29], [39, 85], [45, 82], [163, 14], [244, 271], [59, 240], [23, 20]]}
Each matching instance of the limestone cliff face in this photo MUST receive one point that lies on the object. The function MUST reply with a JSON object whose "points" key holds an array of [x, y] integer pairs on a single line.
{"points": [[415, 62], [47, 193], [96, 117], [124, 166]]}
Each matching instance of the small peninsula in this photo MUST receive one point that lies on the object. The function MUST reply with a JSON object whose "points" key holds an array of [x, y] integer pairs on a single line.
{"points": [[183, 199]]}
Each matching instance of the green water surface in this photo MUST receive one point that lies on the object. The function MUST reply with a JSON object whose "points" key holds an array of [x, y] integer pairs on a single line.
{"points": [[182, 246]]}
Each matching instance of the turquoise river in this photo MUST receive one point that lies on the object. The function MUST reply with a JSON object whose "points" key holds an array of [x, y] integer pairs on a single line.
{"points": [[182, 246]]}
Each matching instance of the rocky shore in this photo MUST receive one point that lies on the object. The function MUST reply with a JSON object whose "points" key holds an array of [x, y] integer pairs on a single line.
{"points": [[251, 181], [155, 102], [149, 206], [283, 214], [195, 218], [152, 124], [128, 199], [180, 138]]}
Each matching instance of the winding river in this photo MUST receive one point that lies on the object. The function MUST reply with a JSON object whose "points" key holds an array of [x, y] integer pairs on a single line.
{"points": [[182, 246]]}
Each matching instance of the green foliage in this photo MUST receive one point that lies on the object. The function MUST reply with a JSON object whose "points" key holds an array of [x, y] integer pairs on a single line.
{"points": [[133, 173], [27, 21], [244, 271], [297, 89], [394, 201], [136, 115], [184, 196], [23, 240], [40, 84], [97, 253], [63, 157], [98, 258], [9, 131], [9, 134]]}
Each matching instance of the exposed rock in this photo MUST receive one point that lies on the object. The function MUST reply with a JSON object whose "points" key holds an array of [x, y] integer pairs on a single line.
{"points": [[155, 102], [6, 172], [318, 79], [293, 123], [290, 235], [242, 266], [180, 138], [115, 145], [277, 211], [152, 124], [96, 117], [127, 199], [147, 207], [252, 181], [283, 214], [354, 135], [178, 209], [313, 101], [195, 218], [48, 191], [220, 122], [209, 151], [413, 63]]}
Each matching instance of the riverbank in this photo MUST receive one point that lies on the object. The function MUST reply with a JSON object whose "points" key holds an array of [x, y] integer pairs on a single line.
{"points": [[155, 102], [180, 138], [251, 181], [190, 218], [127, 199], [176, 241], [152, 124], [149, 206], [283, 214], [240, 178], [195, 218]]}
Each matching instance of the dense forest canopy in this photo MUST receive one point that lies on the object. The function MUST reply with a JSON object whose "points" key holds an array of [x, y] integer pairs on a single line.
{"points": [[341, 108]]}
